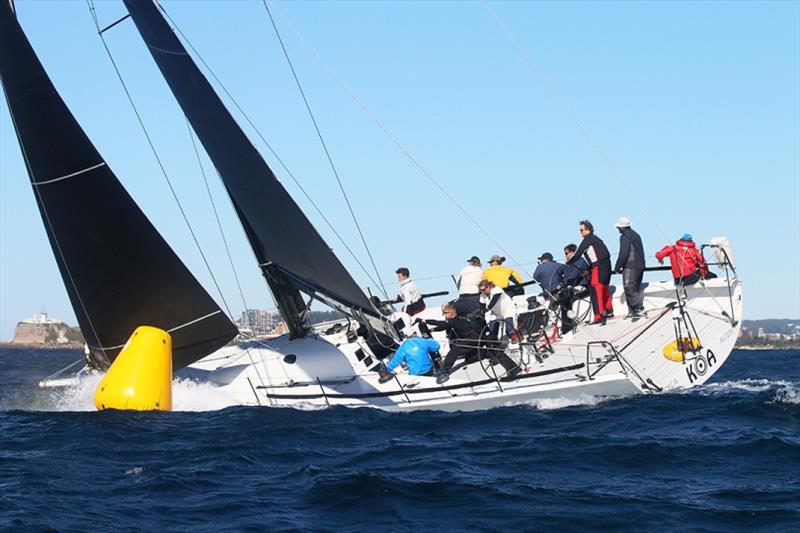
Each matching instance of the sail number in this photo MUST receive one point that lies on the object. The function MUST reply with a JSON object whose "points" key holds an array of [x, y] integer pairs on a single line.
{"points": [[700, 365]]}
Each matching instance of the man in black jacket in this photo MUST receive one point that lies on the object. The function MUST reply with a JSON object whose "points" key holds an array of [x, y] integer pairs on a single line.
{"points": [[464, 333], [630, 263], [597, 255]]}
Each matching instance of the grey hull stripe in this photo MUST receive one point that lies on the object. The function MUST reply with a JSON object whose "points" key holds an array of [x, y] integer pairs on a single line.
{"points": [[78, 173], [195, 321]]}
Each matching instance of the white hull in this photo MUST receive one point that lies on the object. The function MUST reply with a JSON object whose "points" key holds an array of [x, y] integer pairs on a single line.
{"points": [[327, 371], [621, 358]]}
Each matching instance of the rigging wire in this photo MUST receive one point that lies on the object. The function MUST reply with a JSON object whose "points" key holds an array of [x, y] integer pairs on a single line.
{"points": [[392, 138], [155, 153], [271, 149], [325, 147], [571, 114], [51, 233], [219, 222], [568, 110]]}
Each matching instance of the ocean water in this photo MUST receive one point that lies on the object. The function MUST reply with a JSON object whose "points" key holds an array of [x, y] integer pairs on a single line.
{"points": [[723, 457]]}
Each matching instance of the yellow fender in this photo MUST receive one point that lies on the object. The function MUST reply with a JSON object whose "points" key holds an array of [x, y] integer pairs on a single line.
{"points": [[676, 350], [140, 378]]}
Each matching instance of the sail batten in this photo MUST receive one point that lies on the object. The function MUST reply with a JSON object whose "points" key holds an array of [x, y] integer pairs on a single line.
{"points": [[289, 250], [118, 271]]}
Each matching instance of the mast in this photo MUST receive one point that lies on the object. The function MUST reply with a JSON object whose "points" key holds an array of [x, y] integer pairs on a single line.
{"points": [[291, 254], [118, 271]]}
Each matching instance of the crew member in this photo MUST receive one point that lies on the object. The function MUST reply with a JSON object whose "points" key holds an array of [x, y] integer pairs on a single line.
{"points": [[549, 275], [503, 276], [596, 253], [688, 264], [630, 263], [500, 306], [410, 294], [415, 352], [467, 282], [464, 334]]}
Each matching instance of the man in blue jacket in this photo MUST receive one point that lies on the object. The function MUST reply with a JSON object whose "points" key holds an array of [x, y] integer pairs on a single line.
{"points": [[415, 352], [549, 275], [630, 263]]}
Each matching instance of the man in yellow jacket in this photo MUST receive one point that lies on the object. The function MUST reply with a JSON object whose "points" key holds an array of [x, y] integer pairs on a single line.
{"points": [[499, 275]]}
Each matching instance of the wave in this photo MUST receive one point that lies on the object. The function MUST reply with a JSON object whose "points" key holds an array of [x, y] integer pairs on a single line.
{"points": [[742, 385], [548, 404], [187, 395], [788, 395]]}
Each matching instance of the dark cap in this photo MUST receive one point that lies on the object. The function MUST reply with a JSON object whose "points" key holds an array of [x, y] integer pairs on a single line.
{"points": [[474, 259], [496, 259], [546, 255]]}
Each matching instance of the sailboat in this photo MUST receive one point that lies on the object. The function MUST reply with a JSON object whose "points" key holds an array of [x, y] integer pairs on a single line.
{"points": [[120, 274]]}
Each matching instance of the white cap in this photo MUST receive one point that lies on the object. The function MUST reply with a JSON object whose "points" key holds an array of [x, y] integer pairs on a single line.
{"points": [[623, 223]]}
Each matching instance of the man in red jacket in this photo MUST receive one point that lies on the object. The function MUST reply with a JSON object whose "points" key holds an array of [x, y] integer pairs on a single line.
{"points": [[688, 264]]}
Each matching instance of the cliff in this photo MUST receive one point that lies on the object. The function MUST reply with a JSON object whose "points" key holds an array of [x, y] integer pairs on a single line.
{"points": [[51, 334]]}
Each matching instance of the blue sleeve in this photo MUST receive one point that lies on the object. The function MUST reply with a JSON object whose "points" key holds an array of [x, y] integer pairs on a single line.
{"points": [[432, 345], [399, 357]]}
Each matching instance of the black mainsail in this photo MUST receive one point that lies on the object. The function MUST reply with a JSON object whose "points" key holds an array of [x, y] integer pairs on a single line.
{"points": [[292, 255], [118, 271]]}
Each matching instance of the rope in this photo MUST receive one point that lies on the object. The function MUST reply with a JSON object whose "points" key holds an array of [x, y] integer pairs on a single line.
{"points": [[59, 372], [325, 147], [568, 110], [269, 146], [153, 148], [219, 223], [391, 137]]}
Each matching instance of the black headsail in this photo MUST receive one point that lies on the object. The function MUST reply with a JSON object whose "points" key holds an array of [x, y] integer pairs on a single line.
{"points": [[291, 254], [118, 271]]}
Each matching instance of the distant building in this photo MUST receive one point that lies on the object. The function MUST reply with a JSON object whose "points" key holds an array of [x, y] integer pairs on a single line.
{"points": [[760, 332], [261, 323]]}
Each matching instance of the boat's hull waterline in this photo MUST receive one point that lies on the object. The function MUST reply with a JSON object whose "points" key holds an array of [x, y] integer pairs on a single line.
{"points": [[326, 370]]}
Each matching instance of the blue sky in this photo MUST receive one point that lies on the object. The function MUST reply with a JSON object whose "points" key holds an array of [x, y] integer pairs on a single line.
{"points": [[696, 104]]}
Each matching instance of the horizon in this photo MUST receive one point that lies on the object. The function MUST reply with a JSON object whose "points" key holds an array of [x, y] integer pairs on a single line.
{"points": [[684, 99]]}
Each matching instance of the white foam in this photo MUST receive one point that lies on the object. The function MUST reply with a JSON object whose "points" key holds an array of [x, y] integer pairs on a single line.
{"points": [[187, 395], [78, 397], [748, 385], [788, 394], [547, 404]]}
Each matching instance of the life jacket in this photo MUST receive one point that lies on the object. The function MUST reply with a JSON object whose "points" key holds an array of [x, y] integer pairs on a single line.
{"points": [[685, 259]]}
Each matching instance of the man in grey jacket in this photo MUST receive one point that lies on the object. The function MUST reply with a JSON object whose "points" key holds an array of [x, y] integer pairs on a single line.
{"points": [[630, 263]]}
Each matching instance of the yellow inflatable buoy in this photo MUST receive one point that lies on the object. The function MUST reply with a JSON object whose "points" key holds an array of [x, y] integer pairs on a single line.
{"points": [[140, 378], [676, 350]]}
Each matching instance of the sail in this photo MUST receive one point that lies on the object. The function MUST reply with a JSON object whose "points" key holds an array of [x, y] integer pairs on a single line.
{"points": [[292, 255], [118, 271]]}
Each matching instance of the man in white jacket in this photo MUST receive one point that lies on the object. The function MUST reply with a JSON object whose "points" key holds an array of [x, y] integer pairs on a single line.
{"points": [[410, 294], [502, 314], [500, 308], [468, 292]]}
